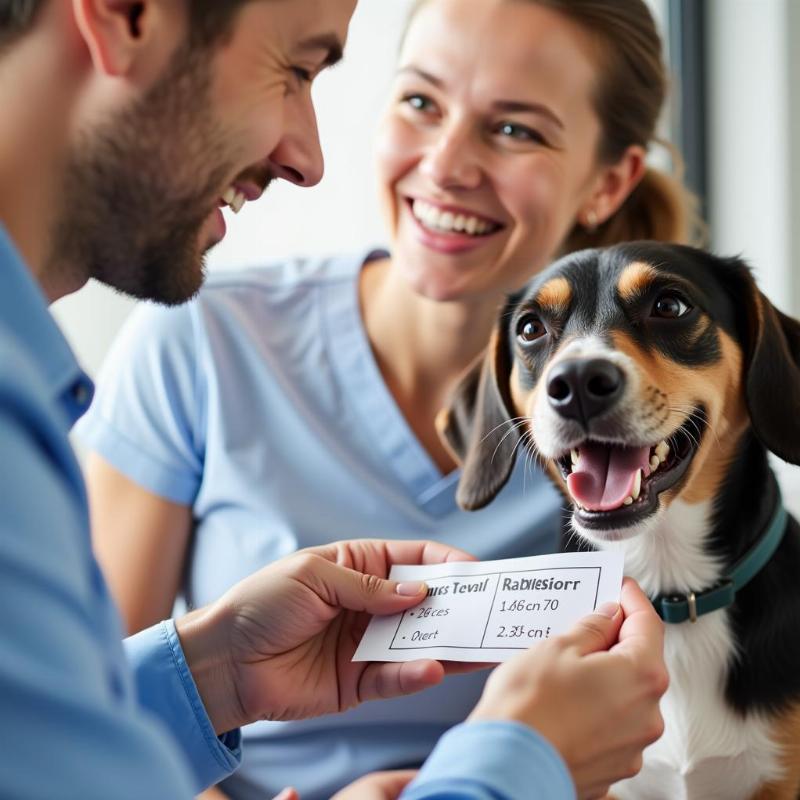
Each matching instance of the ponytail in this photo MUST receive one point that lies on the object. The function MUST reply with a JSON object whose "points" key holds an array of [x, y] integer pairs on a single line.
{"points": [[660, 208]]}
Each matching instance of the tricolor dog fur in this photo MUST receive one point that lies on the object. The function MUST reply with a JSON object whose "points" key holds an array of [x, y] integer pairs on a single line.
{"points": [[650, 380]]}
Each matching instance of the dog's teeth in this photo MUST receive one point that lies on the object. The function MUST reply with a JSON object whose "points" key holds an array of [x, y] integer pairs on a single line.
{"points": [[662, 451], [654, 462], [575, 456], [627, 501], [637, 484]]}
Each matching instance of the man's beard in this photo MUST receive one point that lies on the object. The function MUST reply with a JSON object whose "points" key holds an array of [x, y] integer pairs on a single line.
{"points": [[140, 187]]}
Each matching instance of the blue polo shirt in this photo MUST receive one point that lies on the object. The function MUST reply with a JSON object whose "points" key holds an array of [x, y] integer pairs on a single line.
{"points": [[75, 720]]}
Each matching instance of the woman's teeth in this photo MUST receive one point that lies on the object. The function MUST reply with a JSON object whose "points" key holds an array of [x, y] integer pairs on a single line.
{"points": [[235, 199], [448, 222]]}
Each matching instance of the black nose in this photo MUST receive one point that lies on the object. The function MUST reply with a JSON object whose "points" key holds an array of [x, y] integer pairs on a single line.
{"points": [[581, 389]]}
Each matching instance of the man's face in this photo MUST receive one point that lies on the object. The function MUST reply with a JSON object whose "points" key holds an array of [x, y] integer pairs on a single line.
{"points": [[144, 189]]}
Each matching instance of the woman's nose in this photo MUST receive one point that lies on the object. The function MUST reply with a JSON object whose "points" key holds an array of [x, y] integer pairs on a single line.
{"points": [[451, 161]]}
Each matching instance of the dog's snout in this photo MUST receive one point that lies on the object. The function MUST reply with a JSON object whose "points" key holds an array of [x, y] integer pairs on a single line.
{"points": [[582, 389]]}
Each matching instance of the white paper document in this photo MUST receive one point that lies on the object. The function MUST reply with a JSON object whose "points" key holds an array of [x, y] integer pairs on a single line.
{"points": [[490, 610]]}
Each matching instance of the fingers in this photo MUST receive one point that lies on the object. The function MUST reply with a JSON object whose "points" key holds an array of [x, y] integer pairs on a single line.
{"points": [[388, 785], [288, 793], [642, 628], [378, 786], [363, 551], [597, 631], [342, 587], [382, 681], [416, 552]]}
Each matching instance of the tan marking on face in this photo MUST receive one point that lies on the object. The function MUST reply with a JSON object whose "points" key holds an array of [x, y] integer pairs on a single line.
{"points": [[555, 296], [634, 279], [521, 398], [786, 734], [524, 400], [669, 391]]}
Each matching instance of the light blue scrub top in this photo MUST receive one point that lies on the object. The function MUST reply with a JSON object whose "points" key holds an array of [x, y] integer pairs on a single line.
{"points": [[80, 716], [260, 404]]}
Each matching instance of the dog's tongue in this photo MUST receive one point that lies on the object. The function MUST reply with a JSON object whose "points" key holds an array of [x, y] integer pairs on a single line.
{"points": [[604, 475]]}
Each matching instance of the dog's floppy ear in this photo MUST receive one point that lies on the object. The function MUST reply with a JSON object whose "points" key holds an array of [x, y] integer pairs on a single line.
{"points": [[772, 371], [477, 426]]}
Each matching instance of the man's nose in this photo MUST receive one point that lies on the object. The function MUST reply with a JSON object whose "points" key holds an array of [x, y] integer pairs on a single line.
{"points": [[298, 156], [584, 388]]}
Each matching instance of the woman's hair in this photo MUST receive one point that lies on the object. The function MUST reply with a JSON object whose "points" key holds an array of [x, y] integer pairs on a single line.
{"points": [[629, 94]]}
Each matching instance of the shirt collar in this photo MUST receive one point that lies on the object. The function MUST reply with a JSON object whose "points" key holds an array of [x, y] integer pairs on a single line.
{"points": [[24, 311]]}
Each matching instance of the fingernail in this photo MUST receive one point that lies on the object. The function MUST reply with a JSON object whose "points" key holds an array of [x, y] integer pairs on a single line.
{"points": [[284, 794], [411, 589], [607, 610]]}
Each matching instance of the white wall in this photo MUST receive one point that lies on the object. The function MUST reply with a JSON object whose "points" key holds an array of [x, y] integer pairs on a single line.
{"points": [[752, 151]]}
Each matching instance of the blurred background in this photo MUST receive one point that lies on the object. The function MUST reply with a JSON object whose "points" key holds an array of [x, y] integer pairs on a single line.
{"points": [[734, 113]]}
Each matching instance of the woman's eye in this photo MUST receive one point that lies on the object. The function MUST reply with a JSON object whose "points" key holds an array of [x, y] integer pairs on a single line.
{"points": [[519, 133], [670, 305], [530, 328], [418, 102]]}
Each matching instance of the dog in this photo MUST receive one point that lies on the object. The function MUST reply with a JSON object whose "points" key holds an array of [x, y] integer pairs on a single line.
{"points": [[650, 381]]}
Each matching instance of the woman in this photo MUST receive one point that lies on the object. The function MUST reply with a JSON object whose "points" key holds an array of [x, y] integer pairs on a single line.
{"points": [[295, 405]]}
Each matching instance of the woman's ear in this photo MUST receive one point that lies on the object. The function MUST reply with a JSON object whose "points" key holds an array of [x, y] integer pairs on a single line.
{"points": [[127, 38], [612, 185]]}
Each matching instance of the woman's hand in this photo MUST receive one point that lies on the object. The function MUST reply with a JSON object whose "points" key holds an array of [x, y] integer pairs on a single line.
{"points": [[279, 644], [593, 693], [377, 786]]}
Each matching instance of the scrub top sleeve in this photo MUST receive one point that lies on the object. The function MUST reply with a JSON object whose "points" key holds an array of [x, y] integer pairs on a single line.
{"points": [[147, 416]]}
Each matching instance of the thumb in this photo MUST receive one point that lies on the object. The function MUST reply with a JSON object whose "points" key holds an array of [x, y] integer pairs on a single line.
{"points": [[359, 591], [597, 631]]}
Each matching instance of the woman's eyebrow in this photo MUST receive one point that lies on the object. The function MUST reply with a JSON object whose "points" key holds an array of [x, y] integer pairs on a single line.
{"points": [[437, 82], [521, 107]]}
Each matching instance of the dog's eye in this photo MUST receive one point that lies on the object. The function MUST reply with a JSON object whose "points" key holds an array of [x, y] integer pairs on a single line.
{"points": [[530, 328], [670, 305]]}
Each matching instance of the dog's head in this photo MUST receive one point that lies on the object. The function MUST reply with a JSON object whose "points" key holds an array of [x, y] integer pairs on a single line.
{"points": [[632, 372]]}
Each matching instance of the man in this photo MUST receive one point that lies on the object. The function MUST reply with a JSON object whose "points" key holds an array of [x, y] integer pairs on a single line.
{"points": [[125, 126]]}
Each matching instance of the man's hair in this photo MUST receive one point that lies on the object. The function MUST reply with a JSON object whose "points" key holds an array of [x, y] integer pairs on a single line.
{"points": [[15, 17], [210, 19]]}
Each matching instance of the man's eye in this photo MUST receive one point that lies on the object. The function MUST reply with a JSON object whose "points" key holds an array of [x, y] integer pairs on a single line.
{"points": [[530, 328], [670, 305], [303, 75]]}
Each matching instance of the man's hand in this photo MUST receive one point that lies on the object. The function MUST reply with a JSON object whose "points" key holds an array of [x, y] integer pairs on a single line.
{"points": [[279, 644], [378, 786], [593, 693]]}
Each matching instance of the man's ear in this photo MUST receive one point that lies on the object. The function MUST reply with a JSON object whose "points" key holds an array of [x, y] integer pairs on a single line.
{"points": [[478, 426], [124, 37], [612, 186], [771, 344]]}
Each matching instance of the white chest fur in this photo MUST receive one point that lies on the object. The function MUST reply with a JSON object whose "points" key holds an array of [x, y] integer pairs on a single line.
{"points": [[707, 752]]}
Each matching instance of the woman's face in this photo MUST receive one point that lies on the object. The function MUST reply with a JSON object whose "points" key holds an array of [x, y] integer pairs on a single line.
{"points": [[487, 153]]}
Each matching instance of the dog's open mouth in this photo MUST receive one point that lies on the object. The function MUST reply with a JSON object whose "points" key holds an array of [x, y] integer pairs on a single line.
{"points": [[614, 486]]}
